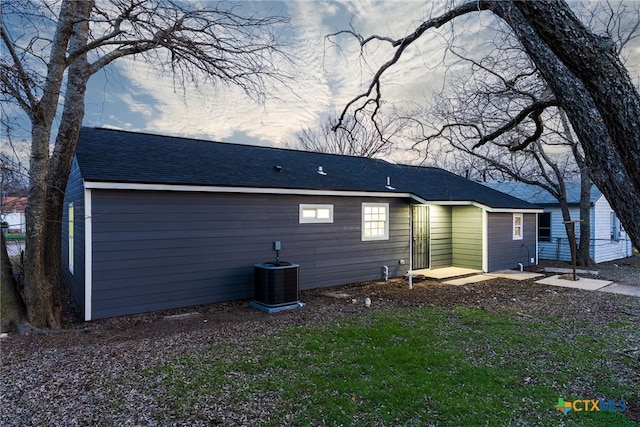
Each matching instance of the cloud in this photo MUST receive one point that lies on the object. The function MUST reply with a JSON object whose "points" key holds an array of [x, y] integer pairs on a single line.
{"points": [[328, 74], [326, 77], [222, 111]]}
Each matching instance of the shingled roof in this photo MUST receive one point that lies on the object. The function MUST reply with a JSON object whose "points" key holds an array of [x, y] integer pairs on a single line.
{"points": [[106, 155], [540, 196]]}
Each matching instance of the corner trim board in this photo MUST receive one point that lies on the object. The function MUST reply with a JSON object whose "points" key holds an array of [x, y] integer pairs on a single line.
{"points": [[88, 254]]}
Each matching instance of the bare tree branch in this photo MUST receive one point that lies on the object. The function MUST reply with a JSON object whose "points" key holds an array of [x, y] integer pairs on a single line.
{"points": [[68, 41], [532, 111], [401, 45]]}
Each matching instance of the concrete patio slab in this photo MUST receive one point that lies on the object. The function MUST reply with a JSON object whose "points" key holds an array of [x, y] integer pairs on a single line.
{"points": [[515, 275], [617, 288], [582, 283], [469, 279], [444, 273], [570, 271]]}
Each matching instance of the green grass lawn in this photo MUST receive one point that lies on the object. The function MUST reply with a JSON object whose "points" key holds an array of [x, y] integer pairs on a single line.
{"points": [[417, 366]]}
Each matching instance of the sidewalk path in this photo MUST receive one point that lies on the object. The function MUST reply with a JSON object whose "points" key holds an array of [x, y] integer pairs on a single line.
{"points": [[585, 283], [591, 285]]}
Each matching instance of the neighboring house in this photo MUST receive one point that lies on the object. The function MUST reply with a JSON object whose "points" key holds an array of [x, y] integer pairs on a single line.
{"points": [[609, 241], [12, 213], [155, 222]]}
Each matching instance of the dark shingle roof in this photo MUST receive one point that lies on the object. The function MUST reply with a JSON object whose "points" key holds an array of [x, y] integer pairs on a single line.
{"points": [[106, 155], [539, 196]]}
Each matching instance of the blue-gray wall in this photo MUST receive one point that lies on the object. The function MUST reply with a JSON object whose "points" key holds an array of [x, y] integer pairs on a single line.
{"points": [[74, 194], [504, 252], [158, 250]]}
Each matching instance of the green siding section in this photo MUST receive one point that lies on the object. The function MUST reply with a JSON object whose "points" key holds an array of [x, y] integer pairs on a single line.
{"points": [[467, 237], [441, 236]]}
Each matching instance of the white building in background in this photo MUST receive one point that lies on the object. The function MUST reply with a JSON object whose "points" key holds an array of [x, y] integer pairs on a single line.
{"points": [[609, 241], [12, 212]]}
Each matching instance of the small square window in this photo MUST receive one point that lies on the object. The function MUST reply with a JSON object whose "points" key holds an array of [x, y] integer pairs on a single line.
{"points": [[310, 214]]}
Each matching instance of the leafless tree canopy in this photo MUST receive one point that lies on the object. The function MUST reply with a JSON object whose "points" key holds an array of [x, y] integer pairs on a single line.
{"points": [[353, 137], [582, 73], [52, 48], [219, 43]]}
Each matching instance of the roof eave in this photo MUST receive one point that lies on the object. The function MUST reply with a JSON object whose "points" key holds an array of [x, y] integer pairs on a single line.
{"points": [[108, 185]]}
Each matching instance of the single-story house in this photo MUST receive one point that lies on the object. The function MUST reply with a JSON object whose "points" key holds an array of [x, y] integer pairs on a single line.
{"points": [[12, 213], [609, 241], [154, 222]]}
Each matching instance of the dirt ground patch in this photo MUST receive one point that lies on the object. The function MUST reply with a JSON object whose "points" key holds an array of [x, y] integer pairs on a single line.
{"points": [[67, 372], [525, 297]]}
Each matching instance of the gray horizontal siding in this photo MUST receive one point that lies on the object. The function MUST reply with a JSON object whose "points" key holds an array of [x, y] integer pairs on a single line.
{"points": [[504, 252], [74, 194], [157, 250]]}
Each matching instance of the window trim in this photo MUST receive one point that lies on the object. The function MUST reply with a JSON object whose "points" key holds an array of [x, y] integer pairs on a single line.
{"points": [[314, 207], [518, 236], [385, 235]]}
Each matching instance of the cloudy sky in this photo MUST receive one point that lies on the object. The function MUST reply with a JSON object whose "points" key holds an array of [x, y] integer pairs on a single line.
{"points": [[128, 95]]}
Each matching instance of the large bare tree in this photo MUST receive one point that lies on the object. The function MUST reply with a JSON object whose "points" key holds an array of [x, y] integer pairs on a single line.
{"points": [[584, 73], [51, 50], [543, 163], [480, 105]]}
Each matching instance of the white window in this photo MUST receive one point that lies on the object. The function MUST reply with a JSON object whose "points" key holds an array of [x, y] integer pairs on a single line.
{"points": [[71, 231], [517, 226], [375, 221], [310, 214], [615, 227]]}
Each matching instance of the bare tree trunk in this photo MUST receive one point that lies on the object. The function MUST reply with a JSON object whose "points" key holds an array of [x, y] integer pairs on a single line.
{"points": [[596, 92], [595, 61], [43, 303], [13, 313], [566, 215], [583, 256], [65, 146], [185, 34]]}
